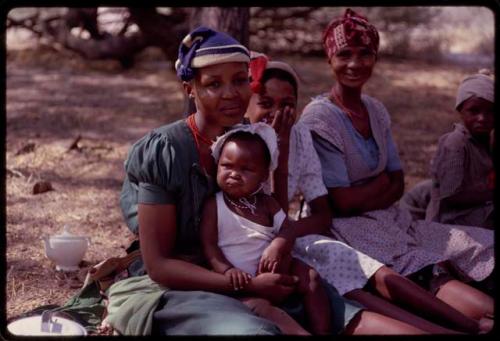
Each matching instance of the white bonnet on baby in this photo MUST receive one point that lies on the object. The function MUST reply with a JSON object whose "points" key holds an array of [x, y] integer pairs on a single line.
{"points": [[265, 131]]}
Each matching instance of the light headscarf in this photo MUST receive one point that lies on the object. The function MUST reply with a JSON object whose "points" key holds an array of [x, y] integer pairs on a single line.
{"points": [[478, 85]]}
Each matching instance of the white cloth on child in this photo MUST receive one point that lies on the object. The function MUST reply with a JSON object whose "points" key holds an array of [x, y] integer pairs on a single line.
{"points": [[478, 85], [242, 241]]}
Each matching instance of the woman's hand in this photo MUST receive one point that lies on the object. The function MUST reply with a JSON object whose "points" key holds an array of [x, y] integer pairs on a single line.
{"points": [[274, 287], [274, 254], [239, 278], [282, 124]]}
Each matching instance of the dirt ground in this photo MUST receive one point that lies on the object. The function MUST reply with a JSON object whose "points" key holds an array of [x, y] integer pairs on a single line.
{"points": [[54, 98]]}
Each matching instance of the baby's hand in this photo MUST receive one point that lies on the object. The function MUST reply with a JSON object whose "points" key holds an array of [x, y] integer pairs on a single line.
{"points": [[273, 256], [239, 278]]}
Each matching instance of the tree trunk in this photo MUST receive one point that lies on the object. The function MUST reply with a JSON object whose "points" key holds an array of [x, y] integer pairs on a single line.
{"points": [[231, 20]]}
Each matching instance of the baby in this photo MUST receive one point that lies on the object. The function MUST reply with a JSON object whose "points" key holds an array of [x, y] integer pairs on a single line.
{"points": [[241, 222]]}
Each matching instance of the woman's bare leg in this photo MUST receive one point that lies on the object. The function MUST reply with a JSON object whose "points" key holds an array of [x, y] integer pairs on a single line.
{"points": [[263, 308], [384, 307], [470, 301], [314, 298], [370, 323], [401, 290]]}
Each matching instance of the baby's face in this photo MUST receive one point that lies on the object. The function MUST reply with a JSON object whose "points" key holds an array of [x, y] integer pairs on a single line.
{"points": [[241, 168], [477, 115]]}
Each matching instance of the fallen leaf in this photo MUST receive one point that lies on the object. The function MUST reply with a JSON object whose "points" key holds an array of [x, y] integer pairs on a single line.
{"points": [[42, 187]]}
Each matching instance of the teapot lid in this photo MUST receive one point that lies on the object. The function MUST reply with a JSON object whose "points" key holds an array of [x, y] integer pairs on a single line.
{"points": [[66, 235]]}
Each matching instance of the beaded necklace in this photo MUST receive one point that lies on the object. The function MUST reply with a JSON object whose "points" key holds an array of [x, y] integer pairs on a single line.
{"points": [[199, 139], [197, 135], [340, 103], [364, 130], [245, 203]]}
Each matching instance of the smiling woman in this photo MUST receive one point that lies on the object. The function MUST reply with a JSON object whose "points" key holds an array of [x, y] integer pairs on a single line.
{"points": [[363, 174]]}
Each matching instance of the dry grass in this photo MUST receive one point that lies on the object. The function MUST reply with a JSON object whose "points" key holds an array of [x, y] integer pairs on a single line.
{"points": [[52, 99]]}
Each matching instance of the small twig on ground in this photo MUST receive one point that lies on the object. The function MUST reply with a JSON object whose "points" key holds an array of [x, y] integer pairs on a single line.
{"points": [[74, 144], [14, 172]]}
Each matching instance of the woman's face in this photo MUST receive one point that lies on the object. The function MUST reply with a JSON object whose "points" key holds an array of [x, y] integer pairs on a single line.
{"points": [[276, 95], [241, 168], [221, 92], [477, 115], [353, 65]]}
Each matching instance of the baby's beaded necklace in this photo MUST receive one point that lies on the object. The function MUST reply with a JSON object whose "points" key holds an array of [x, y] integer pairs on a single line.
{"points": [[245, 203]]}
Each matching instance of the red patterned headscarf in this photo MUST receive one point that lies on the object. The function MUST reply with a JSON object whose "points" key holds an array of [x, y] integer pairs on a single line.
{"points": [[350, 30]]}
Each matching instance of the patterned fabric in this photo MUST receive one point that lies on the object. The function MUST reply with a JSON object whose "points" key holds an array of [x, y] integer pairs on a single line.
{"points": [[203, 47], [391, 236], [460, 164], [338, 176], [350, 30], [477, 85], [321, 115], [337, 263], [304, 168]]}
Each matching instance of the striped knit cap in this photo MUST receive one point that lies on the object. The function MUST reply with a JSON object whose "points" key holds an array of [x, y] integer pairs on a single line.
{"points": [[204, 47]]}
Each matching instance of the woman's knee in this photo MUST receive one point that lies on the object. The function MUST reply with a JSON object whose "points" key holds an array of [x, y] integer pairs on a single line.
{"points": [[208, 313], [371, 323], [470, 301], [258, 306]]}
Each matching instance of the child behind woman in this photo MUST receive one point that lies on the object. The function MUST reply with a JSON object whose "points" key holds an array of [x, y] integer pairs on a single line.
{"points": [[240, 223], [462, 167], [460, 191]]}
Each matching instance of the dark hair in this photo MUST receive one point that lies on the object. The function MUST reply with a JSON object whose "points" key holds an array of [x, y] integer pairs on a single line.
{"points": [[281, 75], [246, 136]]}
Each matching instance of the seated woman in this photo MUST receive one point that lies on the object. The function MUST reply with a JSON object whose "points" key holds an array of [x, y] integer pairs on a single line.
{"points": [[170, 172], [364, 177], [275, 86], [461, 190]]}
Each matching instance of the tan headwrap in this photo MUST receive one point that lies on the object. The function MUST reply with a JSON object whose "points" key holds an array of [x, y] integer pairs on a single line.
{"points": [[478, 85]]}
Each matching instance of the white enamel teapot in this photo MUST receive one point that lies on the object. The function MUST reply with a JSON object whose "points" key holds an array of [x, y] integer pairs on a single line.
{"points": [[66, 249]]}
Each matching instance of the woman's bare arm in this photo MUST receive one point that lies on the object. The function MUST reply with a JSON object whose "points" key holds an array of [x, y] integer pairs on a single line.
{"points": [[157, 235], [282, 123], [318, 222], [209, 238], [379, 193]]}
